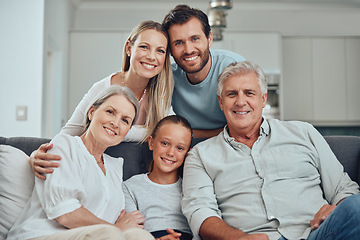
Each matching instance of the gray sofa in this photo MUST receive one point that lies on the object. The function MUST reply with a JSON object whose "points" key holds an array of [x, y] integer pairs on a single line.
{"points": [[17, 179], [138, 156]]}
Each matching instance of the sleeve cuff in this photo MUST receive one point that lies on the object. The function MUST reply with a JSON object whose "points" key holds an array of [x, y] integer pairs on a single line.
{"points": [[62, 208]]}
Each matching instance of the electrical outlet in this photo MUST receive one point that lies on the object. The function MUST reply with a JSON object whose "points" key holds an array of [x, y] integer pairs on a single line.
{"points": [[21, 113]]}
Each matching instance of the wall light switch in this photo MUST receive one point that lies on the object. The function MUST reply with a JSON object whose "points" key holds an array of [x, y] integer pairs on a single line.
{"points": [[21, 113]]}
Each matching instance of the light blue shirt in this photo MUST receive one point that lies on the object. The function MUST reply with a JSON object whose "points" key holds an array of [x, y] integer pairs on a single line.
{"points": [[276, 187], [159, 203], [198, 103]]}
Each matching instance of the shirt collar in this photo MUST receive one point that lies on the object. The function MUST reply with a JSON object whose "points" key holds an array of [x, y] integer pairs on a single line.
{"points": [[264, 130]]}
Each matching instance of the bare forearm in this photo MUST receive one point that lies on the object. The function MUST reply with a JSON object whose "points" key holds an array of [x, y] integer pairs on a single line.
{"points": [[214, 228], [79, 218], [198, 133]]}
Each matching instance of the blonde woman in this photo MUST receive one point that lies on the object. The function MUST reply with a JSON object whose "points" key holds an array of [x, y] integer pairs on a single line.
{"points": [[146, 71]]}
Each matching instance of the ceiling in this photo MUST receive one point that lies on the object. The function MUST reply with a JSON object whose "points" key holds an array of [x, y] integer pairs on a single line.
{"points": [[234, 1], [77, 2], [197, 3]]}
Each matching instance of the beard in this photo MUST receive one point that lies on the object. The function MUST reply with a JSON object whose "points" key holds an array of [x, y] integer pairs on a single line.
{"points": [[204, 59]]}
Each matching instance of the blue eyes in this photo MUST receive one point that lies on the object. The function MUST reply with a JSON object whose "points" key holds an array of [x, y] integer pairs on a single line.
{"points": [[193, 39], [146, 47]]}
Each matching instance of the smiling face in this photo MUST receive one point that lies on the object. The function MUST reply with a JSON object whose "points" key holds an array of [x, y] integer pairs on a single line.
{"points": [[242, 103], [147, 53], [111, 121], [190, 46], [170, 145]]}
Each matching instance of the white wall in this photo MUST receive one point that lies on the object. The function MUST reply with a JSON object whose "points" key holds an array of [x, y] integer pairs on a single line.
{"points": [[21, 65], [55, 82], [33, 60]]}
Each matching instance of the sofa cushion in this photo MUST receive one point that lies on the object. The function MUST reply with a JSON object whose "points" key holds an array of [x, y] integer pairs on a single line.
{"points": [[16, 185]]}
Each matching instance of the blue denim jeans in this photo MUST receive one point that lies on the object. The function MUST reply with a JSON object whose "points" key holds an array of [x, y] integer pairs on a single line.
{"points": [[342, 224]]}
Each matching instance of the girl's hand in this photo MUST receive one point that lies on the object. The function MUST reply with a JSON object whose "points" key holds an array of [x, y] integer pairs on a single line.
{"points": [[40, 161], [171, 236], [130, 220]]}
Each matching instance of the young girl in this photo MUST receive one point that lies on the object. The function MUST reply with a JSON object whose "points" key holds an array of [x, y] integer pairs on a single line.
{"points": [[157, 194]]}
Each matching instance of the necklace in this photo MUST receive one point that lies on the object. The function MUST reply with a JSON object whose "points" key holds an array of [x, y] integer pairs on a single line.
{"points": [[124, 84], [142, 96]]}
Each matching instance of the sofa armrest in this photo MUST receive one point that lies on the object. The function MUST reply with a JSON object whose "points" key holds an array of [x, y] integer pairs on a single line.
{"points": [[347, 151]]}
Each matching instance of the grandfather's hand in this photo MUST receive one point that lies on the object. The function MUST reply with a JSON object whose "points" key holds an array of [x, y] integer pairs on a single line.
{"points": [[171, 236], [40, 161], [321, 215], [130, 220]]}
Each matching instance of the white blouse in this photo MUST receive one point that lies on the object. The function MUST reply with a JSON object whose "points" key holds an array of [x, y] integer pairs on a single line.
{"points": [[78, 181]]}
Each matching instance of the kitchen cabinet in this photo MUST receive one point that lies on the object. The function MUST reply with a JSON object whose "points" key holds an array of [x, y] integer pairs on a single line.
{"points": [[321, 80]]}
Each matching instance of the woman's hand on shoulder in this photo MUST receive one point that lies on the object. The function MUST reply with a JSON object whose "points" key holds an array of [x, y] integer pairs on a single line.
{"points": [[130, 220], [41, 163]]}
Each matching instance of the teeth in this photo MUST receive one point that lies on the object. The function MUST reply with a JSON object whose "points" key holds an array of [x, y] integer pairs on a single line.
{"points": [[168, 161], [240, 113], [149, 66], [110, 131], [192, 58]]}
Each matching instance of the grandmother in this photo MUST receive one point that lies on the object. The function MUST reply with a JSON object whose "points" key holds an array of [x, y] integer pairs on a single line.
{"points": [[83, 198]]}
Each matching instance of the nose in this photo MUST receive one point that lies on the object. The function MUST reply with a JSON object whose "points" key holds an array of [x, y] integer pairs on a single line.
{"points": [[240, 100], [115, 122], [170, 151], [188, 48], [151, 55]]}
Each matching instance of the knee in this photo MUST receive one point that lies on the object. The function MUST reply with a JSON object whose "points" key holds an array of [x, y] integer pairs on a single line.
{"points": [[351, 201], [108, 232], [138, 234], [351, 204]]}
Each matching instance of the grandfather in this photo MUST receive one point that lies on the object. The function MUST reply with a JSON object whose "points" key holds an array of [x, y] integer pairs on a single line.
{"points": [[264, 178]]}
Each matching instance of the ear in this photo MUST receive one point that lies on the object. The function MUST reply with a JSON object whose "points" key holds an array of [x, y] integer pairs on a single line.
{"points": [[91, 112], [264, 99], [151, 143], [210, 39], [128, 47], [220, 102]]}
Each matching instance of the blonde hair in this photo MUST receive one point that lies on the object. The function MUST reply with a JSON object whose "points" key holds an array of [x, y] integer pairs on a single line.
{"points": [[160, 86]]}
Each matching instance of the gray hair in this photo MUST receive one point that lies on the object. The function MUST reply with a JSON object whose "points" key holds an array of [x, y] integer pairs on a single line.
{"points": [[111, 91], [241, 68]]}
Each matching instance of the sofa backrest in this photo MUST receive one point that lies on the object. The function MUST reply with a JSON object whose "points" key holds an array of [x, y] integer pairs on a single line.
{"points": [[138, 156], [347, 151]]}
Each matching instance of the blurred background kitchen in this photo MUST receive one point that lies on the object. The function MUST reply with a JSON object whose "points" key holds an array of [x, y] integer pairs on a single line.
{"points": [[52, 51]]}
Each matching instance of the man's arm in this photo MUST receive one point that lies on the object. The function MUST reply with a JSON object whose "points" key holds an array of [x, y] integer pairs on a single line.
{"points": [[215, 228], [201, 133]]}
